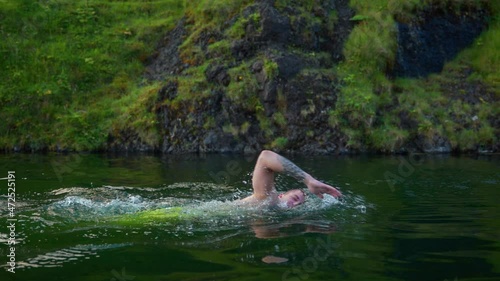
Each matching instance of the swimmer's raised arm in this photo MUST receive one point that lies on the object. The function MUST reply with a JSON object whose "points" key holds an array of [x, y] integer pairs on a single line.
{"points": [[269, 163]]}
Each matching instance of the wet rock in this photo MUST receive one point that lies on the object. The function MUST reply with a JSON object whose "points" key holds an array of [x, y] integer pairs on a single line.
{"points": [[436, 144], [257, 66], [242, 49], [218, 74], [166, 61], [293, 104], [433, 38], [288, 65], [275, 26]]}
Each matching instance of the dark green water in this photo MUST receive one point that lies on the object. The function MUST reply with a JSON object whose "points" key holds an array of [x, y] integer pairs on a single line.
{"points": [[402, 218]]}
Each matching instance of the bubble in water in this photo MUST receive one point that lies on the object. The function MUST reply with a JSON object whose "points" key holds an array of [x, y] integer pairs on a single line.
{"points": [[361, 208]]}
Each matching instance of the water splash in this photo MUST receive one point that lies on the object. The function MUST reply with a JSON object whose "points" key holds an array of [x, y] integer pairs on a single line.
{"points": [[212, 208], [81, 208]]}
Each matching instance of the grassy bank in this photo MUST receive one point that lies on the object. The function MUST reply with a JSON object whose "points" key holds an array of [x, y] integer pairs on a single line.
{"points": [[71, 69], [71, 74]]}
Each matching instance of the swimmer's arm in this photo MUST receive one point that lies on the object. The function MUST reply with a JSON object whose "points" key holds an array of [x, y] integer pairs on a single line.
{"points": [[273, 162]]}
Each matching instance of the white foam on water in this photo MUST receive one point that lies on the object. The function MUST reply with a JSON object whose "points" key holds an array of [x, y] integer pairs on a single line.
{"points": [[82, 208], [206, 209]]}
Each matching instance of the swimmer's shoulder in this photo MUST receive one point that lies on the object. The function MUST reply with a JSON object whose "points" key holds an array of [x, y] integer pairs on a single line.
{"points": [[252, 202]]}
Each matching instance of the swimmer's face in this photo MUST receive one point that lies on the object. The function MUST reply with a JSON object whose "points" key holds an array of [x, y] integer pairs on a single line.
{"points": [[292, 198]]}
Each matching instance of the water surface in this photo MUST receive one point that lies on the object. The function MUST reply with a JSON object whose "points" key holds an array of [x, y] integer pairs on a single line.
{"points": [[416, 217]]}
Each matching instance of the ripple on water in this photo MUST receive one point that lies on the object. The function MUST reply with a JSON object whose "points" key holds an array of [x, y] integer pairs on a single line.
{"points": [[72, 254]]}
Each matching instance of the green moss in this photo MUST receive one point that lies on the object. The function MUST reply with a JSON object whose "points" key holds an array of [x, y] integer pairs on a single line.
{"points": [[220, 49], [231, 129], [191, 87], [279, 119], [243, 89], [484, 56], [369, 51], [205, 12], [136, 112], [467, 139], [238, 29], [486, 135], [209, 123], [388, 138], [207, 16], [271, 69], [279, 143], [354, 138], [191, 54], [236, 130], [356, 104]]}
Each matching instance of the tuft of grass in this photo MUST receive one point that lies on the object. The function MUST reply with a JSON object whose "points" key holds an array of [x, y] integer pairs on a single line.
{"points": [[484, 56], [388, 138], [279, 143], [243, 89], [271, 69], [215, 12], [220, 49], [279, 119], [136, 112]]}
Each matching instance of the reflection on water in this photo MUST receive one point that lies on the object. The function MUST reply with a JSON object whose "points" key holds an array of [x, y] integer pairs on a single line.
{"points": [[58, 258], [438, 221]]}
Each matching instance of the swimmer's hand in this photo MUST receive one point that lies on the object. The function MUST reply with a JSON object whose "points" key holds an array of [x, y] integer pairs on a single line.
{"points": [[318, 188]]}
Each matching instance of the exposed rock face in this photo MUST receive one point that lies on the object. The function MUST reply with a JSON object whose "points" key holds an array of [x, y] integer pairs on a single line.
{"points": [[166, 61], [294, 103], [433, 38], [288, 108]]}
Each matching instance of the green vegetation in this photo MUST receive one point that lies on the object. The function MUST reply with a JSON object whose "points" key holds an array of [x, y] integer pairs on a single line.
{"points": [[70, 70], [279, 143], [204, 16], [135, 112], [71, 73], [271, 69], [370, 52]]}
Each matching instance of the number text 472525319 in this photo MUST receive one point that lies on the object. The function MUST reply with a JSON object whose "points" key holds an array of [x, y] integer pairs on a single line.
{"points": [[11, 221]]}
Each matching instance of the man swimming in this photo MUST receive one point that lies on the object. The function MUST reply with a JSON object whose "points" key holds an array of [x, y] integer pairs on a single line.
{"points": [[264, 191]]}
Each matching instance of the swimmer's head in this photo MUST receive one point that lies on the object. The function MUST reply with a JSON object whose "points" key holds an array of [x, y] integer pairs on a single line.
{"points": [[292, 198]]}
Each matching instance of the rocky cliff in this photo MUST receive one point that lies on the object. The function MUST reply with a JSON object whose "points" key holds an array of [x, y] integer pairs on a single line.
{"points": [[271, 75]]}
